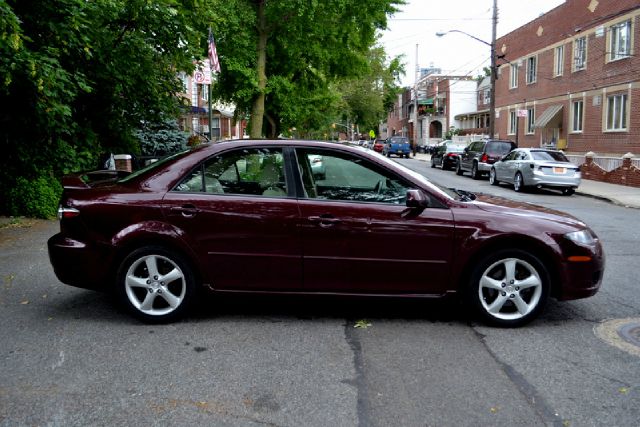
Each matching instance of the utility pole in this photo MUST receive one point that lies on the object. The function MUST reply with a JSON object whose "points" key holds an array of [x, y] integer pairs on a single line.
{"points": [[494, 72], [415, 106]]}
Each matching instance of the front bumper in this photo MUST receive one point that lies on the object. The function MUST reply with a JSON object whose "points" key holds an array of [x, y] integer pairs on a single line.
{"points": [[582, 270]]}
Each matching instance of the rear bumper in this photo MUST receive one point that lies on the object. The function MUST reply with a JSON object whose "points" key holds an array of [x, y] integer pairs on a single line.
{"points": [[77, 264]]}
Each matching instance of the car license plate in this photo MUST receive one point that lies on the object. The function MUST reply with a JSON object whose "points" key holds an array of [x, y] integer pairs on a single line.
{"points": [[560, 170]]}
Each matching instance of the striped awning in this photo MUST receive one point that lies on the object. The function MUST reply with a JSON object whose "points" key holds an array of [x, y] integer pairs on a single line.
{"points": [[550, 117]]}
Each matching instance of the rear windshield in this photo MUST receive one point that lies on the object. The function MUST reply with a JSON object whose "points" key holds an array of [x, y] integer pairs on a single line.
{"points": [[499, 147], [549, 155], [399, 140], [455, 148]]}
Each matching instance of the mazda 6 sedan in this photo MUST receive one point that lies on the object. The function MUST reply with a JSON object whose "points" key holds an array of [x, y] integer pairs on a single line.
{"points": [[536, 167], [248, 216]]}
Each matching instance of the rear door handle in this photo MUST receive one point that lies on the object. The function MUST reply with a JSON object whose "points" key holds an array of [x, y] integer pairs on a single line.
{"points": [[324, 220], [187, 211]]}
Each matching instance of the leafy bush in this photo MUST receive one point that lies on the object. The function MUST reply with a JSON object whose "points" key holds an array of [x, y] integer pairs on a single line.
{"points": [[160, 139], [35, 198]]}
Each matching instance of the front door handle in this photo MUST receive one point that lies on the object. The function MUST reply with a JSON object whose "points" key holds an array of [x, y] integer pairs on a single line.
{"points": [[187, 211], [324, 220]]}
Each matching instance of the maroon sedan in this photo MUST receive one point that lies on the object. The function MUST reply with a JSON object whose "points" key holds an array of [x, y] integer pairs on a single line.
{"points": [[251, 216]]}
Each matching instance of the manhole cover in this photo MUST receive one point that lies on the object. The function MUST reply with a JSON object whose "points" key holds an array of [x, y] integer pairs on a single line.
{"points": [[621, 333], [630, 332]]}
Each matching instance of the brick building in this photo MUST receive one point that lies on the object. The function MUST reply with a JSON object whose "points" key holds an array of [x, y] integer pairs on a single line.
{"points": [[195, 117], [571, 79]]}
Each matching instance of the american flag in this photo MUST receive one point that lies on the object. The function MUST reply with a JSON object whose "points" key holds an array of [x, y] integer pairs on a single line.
{"points": [[213, 54]]}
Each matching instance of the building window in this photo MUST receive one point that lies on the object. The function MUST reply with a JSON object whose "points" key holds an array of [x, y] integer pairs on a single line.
{"points": [[620, 41], [617, 112], [205, 92], [532, 65], [513, 122], [194, 94], [487, 96], [531, 114], [513, 82], [580, 54], [558, 61], [577, 114]]}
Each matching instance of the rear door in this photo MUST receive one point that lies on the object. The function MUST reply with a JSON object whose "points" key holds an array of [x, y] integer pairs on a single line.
{"points": [[236, 212]]}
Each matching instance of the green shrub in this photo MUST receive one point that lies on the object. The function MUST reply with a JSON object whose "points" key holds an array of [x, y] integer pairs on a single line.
{"points": [[37, 198]]}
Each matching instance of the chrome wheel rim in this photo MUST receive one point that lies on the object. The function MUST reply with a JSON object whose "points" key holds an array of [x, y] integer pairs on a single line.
{"points": [[517, 182], [492, 176], [155, 285], [510, 289]]}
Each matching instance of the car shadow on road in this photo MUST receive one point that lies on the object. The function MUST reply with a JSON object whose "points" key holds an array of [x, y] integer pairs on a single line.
{"points": [[104, 307]]}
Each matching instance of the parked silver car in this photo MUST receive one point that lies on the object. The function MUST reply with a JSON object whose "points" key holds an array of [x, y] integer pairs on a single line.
{"points": [[536, 167]]}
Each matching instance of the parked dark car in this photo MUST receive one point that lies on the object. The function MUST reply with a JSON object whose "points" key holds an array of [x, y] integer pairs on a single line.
{"points": [[446, 156], [536, 167], [478, 157], [398, 145], [248, 216]]}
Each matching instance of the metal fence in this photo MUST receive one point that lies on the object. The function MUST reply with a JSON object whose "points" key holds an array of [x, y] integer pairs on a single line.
{"points": [[606, 163]]}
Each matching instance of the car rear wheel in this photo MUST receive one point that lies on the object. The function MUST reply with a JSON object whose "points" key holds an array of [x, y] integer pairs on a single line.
{"points": [[492, 177], [568, 191], [518, 182], [156, 285], [474, 171], [509, 288], [433, 164]]}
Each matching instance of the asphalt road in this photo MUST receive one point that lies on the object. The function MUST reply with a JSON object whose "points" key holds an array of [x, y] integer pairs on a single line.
{"points": [[72, 357]]}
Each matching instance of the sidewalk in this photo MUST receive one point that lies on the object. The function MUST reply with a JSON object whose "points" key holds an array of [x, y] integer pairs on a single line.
{"points": [[618, 194]]}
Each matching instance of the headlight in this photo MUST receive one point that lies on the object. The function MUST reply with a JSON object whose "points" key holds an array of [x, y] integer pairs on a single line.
{"points": [[582, 237]]}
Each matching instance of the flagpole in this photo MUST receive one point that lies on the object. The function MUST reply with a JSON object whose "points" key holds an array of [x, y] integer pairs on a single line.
{"points": [[210, 89]]}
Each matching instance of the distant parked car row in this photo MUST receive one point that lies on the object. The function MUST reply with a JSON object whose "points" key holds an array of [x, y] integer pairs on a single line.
{"points": [[502, 161]]}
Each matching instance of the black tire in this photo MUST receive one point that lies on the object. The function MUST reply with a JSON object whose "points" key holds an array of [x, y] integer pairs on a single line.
{"points": [[474, 171], [388, 154], [492, 177], [459, 170], [433, 165], [494, 292], [136, 285], [518, 183], [568, 191]]}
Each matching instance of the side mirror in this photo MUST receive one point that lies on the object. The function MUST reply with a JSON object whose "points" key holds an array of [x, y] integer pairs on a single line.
{"points": [[417, 199], [466, 149]]}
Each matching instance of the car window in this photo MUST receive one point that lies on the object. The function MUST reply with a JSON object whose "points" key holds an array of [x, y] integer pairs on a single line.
{"points": [[512, 155], [549, 155], [499, 147], [253, 171], [350, 178]]}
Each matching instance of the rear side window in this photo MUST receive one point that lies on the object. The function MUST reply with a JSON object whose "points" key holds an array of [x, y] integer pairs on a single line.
{"points": [[549, 155], [499, 147]]}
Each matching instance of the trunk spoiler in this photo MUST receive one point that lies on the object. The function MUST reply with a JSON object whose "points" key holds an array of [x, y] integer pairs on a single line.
{"points": [[85, 180]]}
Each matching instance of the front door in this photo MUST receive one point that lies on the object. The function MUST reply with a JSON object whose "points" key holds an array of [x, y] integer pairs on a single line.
{"points": [[359, 237]]}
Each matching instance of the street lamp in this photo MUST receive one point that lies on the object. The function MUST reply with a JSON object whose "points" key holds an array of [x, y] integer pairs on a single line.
{"points": [[494, 68]]}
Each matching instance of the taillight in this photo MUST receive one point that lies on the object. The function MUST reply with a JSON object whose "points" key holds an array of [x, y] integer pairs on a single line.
{"points": [[484, 158], [64, 212]]}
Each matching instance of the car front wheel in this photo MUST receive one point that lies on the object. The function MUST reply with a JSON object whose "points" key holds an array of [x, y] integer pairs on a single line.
{"points": [[156, 285], [459, 170], [509, 288]]}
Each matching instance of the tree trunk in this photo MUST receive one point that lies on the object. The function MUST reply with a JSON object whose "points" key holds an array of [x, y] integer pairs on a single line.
{"points": [[257, 112]]}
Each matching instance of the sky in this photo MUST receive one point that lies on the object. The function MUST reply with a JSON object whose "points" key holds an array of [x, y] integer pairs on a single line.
{"points": [[454, 53]]}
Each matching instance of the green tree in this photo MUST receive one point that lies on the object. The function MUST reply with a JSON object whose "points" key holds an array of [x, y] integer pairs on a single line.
{"points": [[78, 77], [280, 59]]}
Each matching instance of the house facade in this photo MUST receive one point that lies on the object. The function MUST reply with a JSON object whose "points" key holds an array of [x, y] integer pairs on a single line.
{"points": [[570, 79], [195, 116]]}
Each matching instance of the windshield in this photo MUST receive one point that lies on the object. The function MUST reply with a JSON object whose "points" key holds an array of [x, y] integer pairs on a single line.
{"points": [[549, 155], [498, 147], [447, 192]]}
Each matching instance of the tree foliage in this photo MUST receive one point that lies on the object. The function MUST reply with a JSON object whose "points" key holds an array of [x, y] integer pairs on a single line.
{"points": [[280, 59], [77, 77]]}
